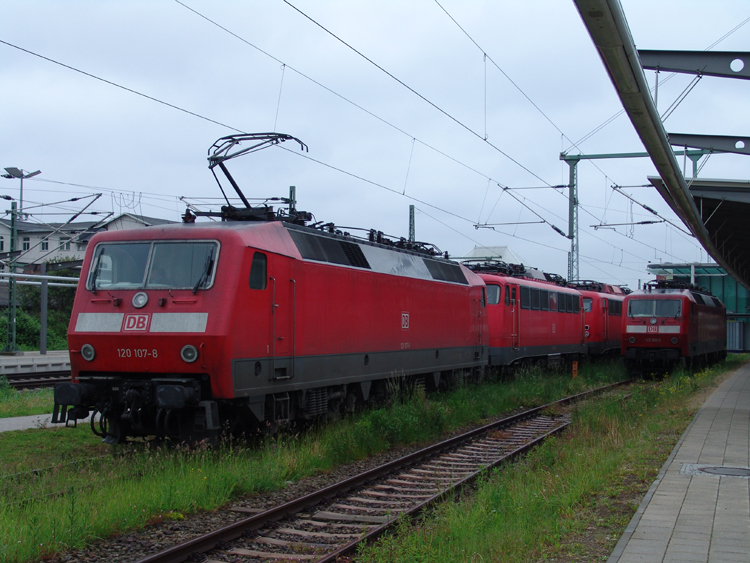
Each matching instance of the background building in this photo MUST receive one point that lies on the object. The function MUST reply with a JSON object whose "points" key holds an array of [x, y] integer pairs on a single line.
{"points": [[56, 242]]}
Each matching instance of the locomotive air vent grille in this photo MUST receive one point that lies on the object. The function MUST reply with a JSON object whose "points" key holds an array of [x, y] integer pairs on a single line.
{"points": [[323, 249], [445, 272], [354, 254]]}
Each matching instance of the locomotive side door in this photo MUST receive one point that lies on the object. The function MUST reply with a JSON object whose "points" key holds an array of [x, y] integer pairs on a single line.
{"points": [[479, 305], [515, 315], [283, 316]]}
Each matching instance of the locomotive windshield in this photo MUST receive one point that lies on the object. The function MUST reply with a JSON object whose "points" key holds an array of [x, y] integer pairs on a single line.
{"points": [[655, 308], [153, 265]]}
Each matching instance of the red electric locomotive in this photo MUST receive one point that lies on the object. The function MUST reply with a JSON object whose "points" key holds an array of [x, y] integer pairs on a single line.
{"points": [[669, 323], [531, 319], [602, 313], [180, 330]]}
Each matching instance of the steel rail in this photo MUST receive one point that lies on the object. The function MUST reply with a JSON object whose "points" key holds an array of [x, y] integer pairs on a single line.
{"points": [[36, 379], [233, 531]]}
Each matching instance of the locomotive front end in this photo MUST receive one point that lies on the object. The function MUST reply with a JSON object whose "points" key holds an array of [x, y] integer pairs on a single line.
{"points": [[654, 335], [140, 339]]}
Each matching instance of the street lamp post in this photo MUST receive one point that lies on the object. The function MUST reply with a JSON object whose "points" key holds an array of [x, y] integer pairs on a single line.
{"points": [[13, 172], [10, 341]]}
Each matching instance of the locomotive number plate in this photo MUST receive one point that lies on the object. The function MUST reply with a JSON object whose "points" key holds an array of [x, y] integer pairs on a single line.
{"points": [[137, 353]]}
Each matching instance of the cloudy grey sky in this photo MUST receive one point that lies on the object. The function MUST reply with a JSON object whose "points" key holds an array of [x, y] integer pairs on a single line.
{"points": [[524, 75]]}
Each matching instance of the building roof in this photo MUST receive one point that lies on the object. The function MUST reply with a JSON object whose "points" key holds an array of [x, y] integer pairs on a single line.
{"points": [[30, 227], [503, 253], [147, 221]]}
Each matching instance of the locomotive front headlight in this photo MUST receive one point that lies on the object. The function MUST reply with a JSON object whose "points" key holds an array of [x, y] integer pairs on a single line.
{"points": [[675, 340], [88, 352], [653, 321], [140, 299], [631, 339], [189, 353], [587, 334]]}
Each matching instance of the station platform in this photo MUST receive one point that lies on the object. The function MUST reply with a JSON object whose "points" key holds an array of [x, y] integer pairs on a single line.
{"points": [[33, 362], [698, 509]]}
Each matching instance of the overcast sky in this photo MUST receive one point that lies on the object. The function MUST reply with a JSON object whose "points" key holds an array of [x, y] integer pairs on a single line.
{"points": [[409, 132]]}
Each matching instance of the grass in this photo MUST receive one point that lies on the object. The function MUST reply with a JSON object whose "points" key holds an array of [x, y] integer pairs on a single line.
{"points": [[92, 492], [14, 402], [572, 497]]}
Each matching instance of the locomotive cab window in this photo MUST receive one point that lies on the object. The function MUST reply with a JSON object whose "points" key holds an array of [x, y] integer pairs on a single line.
{"points": [[507, 294], [534, 298], [587, 304], [525, 298], [258, 271], [153, 265], [615, 307], [493, 294], [655, 308]]}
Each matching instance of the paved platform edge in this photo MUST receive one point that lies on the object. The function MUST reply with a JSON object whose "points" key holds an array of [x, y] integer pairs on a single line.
{"points": [[617, 552]]}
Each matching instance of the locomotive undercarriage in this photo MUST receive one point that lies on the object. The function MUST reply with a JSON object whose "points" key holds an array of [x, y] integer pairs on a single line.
{"points": [[174, 407], [180, 409], [276, 410], [659, 361], [651, 360]]}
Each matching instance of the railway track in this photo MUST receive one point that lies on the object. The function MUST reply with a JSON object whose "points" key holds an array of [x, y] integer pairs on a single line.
{"points": [[330, 523], [36, 380]]}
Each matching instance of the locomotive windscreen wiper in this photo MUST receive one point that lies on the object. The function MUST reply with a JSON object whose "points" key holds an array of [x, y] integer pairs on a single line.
{"points": [[95, 274], [206, 269]]}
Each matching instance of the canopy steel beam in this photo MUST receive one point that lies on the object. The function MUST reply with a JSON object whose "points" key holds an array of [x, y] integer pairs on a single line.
{"points": [[705, 63], [608, 28], [714, 143]]}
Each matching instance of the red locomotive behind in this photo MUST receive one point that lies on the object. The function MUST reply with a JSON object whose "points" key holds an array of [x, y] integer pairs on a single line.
{"points": [[602, 313], [531, 319], [670, 323]]}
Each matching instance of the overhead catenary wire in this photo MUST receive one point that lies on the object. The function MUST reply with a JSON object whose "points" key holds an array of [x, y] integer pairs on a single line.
{"points": [[116, 85], [428, 101], [357, 105], [423, 98], [238, 130], [574, 144]]}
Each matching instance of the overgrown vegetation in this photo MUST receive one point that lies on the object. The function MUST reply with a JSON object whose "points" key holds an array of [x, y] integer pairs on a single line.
{"points": [[546, 506], [93, 490], [25, 402], [75, 503]]}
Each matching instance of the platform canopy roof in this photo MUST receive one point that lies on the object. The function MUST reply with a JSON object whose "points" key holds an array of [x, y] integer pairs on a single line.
{"points": [[715, 211]]}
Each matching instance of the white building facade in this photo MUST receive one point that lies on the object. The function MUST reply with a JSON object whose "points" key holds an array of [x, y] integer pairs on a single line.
{"points": [[56, 242]]}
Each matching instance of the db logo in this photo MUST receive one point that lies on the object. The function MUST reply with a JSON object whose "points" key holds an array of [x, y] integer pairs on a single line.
{"points": [[652, 329], [135, 322], [404, 321]]}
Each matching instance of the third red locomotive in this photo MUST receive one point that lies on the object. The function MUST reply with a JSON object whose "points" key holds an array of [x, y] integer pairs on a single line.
{"points": [[672, 323]]}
